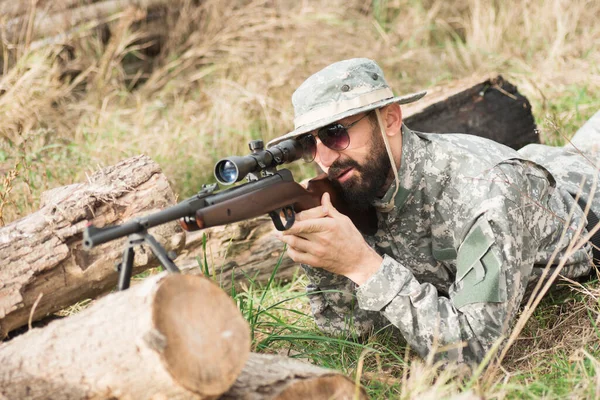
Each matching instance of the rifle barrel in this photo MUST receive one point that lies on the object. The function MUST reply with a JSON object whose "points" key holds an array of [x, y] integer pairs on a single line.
{"points": [[93, 236]]}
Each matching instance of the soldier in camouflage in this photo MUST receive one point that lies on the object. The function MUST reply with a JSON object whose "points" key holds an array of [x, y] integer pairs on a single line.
{"points": [[465, 224]]}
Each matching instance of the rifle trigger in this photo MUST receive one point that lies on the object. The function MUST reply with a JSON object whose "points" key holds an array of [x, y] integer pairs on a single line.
{"points": [[288, 213]]}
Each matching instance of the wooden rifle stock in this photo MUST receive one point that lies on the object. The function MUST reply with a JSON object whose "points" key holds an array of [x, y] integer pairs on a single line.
{"points": [[365, 221]]}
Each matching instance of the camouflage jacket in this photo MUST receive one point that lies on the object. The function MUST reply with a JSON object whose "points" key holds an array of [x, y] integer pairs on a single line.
{"points": [[474, 223]]}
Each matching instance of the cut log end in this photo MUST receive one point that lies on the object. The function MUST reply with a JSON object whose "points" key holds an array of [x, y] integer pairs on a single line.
{"points": [[207, 364], [322, 388]]}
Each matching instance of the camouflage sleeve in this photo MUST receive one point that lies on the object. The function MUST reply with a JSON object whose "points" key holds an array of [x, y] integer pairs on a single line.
{"points": [[494, 261], [334, 307]]}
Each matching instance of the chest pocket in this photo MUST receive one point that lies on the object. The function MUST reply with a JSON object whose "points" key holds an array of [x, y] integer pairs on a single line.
{"points": [[479, 277]]}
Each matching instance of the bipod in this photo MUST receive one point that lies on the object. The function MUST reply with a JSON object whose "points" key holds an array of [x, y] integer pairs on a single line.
{"points": [[125, 267]]}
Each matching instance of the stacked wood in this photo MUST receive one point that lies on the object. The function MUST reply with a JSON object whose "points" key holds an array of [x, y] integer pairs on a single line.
{"points": [[487, 107], [42, 256], [172, 337], [267, 377]]}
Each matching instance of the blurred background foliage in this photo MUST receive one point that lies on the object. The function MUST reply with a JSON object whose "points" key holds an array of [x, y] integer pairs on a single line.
{"points": [[86, 83]]}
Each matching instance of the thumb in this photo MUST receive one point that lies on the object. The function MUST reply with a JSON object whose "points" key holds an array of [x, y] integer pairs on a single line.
{"points": [[327, 205]]}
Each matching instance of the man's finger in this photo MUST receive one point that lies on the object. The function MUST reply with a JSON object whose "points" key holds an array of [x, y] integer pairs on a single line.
{"points": [[309, 226], [311, 213], [301, 257], [328, 207], [296, 242]]}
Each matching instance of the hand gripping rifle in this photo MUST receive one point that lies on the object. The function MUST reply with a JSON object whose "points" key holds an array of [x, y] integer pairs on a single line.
{"points": [[268, 191]]}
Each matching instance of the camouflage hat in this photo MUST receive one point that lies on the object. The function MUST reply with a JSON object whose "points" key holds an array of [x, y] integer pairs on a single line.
{"points": [[338, 91]]}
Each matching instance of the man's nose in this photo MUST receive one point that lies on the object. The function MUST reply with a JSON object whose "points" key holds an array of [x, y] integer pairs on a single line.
{"points": [[325, 155]]}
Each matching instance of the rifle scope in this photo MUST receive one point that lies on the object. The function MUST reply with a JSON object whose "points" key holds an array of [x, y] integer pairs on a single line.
{"points": [[235, 168]]}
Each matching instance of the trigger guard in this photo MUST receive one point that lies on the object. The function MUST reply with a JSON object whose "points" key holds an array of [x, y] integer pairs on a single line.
{"points": [[289, 218]]}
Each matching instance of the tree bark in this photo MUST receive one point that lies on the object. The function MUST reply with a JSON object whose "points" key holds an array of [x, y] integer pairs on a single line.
{"points": [[172, 337], [491, 108], [42, 254], [267, 377]]}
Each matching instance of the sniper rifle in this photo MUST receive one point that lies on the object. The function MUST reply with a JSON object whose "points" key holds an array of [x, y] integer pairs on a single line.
{"points": [[268, 191]]}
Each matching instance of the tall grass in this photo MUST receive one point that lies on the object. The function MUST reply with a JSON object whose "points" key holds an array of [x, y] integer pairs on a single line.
{"points": [[224, 74]]}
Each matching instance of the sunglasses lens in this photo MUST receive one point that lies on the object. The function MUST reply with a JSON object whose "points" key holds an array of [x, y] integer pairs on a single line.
{"points": [[335, 137], [309, 147]]}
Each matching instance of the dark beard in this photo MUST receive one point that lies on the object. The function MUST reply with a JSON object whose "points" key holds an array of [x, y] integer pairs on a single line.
{"points": [[359, 192]]}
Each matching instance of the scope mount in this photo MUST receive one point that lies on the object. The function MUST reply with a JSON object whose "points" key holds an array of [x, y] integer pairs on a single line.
{"points": [[256, 146]]}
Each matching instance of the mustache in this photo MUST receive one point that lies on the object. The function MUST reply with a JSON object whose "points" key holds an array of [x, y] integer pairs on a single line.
{"points": [[340, 166]]}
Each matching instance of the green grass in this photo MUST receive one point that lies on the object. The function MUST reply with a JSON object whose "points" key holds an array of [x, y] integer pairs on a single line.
{"points": [[561, 115], [280, 321]]}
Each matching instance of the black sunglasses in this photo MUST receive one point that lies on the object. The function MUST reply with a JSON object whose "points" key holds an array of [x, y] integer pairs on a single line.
{"points": [[334, 136]]}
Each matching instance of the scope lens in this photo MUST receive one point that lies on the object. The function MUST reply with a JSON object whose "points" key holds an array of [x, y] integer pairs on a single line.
{"points": [[227, 172]]}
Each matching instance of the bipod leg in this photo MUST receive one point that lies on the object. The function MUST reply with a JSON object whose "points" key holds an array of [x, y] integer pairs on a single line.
{"points": [[126, 267], [160, 252]]}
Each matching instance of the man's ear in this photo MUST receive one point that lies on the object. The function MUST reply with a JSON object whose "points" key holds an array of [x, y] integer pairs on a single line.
{"points": [[393, 119]]}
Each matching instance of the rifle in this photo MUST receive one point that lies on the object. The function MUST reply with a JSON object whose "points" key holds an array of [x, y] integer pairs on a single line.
{"points": [[268, 191]]}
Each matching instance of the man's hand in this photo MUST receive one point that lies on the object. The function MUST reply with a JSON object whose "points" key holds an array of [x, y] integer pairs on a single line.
{"points": [[322, 237]]}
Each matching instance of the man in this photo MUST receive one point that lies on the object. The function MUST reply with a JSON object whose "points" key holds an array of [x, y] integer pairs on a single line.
{"points": [[464, 223]]}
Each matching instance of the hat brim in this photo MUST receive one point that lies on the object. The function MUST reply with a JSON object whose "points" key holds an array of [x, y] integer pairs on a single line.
{"points": [[409, 98]]}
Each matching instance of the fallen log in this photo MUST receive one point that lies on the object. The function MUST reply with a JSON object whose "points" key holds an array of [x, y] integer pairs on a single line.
{"points": [[42, 254], [491, 108], [172, 337], [267, 377]]}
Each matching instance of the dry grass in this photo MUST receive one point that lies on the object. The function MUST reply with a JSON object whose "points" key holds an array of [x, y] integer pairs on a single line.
{"points": [[224, 74], [564, 327], [7, 186]]}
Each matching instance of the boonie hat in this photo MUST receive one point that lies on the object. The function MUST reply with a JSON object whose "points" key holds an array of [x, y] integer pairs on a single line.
{"points": [[338, 91]]}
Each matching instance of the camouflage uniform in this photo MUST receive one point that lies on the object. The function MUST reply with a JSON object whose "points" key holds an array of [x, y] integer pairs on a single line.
{"points": [[474, 223], [471, 225]]}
